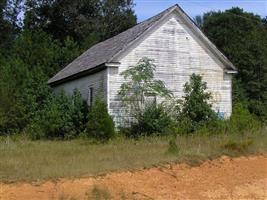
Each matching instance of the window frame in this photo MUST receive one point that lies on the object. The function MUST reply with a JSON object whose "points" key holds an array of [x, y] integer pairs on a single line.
{"points": [[150, 98]]}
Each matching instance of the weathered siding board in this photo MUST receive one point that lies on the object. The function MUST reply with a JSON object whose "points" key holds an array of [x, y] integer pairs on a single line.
{"points": [[97, 81], [177, 54]]}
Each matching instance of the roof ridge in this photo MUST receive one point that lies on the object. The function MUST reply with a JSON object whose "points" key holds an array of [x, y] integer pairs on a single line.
{"points": [[111, 48], [140, 23], [153, 20], [133, 31]]}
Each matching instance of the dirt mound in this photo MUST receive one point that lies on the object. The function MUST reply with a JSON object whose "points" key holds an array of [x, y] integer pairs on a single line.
{"points": [[224, 178]]}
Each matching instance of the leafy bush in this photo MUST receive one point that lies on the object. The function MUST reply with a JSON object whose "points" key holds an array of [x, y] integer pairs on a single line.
{"points": [[12, 117], [214, 127], [173, 148], [154, 119], [100, 125], [196, 114], [196, 105], [147, 118], [184, 126], [63, 117], [238, 146], [241, 122], [196, 109], [34, 56]]}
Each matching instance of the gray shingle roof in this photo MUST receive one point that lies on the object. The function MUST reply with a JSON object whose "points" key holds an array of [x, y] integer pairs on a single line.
{"points": [[105, 51]]}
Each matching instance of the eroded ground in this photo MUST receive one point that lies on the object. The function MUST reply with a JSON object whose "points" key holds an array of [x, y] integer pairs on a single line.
{"points": [[224, 178]]}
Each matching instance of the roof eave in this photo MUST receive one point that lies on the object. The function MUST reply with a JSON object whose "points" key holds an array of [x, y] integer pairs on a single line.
{"points": [[94, 70], [112, 64], [91, 71]]}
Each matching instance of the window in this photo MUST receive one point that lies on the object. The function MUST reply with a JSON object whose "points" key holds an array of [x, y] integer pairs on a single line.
{"points": [[150, 98], [90, 97]]}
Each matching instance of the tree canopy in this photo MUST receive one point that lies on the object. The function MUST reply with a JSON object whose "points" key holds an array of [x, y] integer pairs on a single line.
{"points": [[86, 21], [9, 21]]}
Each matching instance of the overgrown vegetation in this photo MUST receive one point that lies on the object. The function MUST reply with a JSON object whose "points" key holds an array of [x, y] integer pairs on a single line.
{"points": [[138, 94], [54, 33], [140, 85], [154, 119], [100, 125], [173, 148], [34, 47], [191, 114], [62, 117], [23, 159], [196, 109]]}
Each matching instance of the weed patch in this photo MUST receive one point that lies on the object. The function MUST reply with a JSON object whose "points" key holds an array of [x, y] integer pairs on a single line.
{"points": [[173, 148], [238, 146]]}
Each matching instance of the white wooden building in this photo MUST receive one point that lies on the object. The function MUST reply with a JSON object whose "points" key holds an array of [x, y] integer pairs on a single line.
{"points": [[172, 40]]}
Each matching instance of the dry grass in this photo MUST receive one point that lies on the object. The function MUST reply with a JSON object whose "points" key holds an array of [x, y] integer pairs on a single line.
{"points": [[21, 159]]}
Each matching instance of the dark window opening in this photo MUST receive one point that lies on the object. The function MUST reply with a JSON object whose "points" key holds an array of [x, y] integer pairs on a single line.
{"points": [[90, 97]]}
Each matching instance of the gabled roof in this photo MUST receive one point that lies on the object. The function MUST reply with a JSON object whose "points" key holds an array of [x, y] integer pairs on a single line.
{"points": [[105, 51]]}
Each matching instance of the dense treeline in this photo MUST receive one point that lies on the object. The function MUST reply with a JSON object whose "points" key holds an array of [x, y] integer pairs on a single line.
{"points": [[36, 46], [39, 37]]}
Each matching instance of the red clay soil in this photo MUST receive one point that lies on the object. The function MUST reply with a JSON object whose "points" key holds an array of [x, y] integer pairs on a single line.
{"points": [[224, 178]]}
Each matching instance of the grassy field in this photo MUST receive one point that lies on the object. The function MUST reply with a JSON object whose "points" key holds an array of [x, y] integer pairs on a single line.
{"points": [[22, 159]]}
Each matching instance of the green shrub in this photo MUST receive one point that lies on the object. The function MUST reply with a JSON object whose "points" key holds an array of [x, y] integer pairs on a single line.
{"points": [[139, 81], [3, 121], [153, 120], [242, 120], [197, 116], [218, 126], [139, 84], [196, 109], [238, 146], [63, 117], [184, 126], [173, 148], [100, 125]]}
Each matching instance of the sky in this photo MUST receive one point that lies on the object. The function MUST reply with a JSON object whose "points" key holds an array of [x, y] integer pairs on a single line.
{"points": [[148, 8]]}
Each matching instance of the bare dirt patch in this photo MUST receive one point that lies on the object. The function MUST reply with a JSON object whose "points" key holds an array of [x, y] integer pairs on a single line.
{"points": [[224, 178]]}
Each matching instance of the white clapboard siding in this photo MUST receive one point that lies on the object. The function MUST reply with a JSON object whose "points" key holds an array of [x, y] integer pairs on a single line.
{"points": [[97, 81], [177, 53]]}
